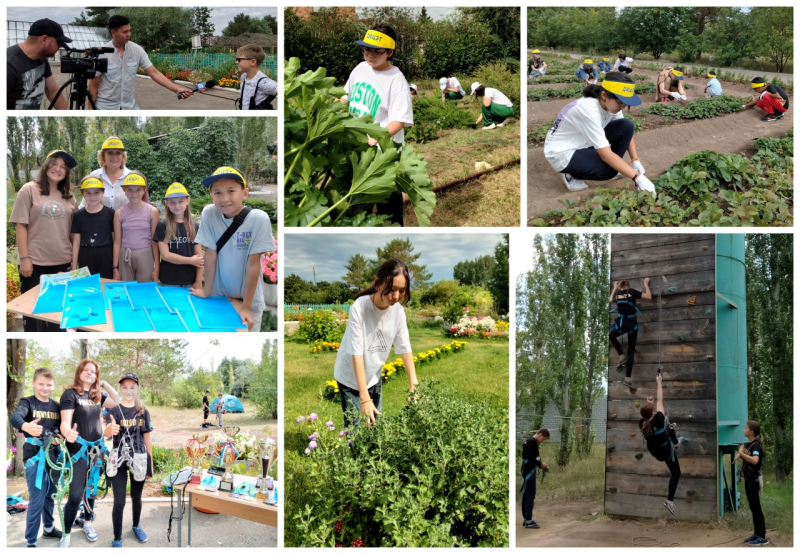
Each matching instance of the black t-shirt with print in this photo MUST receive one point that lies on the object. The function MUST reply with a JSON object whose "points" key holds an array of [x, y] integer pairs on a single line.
{"points": [[95, 229], [30, 408], [86, 415], [775, 89], [25, 80], [629, 298], [176, 274], [752, 471], [130, 423]]}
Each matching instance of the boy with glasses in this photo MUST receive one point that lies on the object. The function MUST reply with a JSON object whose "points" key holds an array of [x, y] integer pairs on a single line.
{"points": [[258, 90]]}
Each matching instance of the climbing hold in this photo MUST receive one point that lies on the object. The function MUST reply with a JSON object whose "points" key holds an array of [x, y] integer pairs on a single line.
{"points": [[611, 447], [632, 434], [690, 416], [637, 404], [690, 492], [708, 311], [692, 301], [671, 289], [681, 338], [622, 254], [705, 326], [705, 248], [639, 456], [709, 357], [612, 489], [646, 327]]}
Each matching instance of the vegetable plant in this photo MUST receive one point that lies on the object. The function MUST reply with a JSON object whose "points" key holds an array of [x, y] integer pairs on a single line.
{"points": [[702, 108], [333, 176]]}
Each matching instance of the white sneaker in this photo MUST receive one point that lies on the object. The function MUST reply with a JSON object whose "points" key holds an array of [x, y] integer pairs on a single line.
{"points": [[669, 505], [91, 534], [505, 122], [618, 176], [487, 127], [64, 542], [572, 184]]}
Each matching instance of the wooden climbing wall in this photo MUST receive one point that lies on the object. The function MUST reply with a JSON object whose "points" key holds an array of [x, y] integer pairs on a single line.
{"points": [[682, 268]]}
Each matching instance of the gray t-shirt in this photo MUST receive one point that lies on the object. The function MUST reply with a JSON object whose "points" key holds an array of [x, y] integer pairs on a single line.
{"points": [[267, 88], [253, 237], [117, 85], [25, 80]]}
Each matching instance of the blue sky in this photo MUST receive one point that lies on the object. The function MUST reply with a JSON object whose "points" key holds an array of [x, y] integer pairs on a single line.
{"points": [[329, 252], [220, 16]]}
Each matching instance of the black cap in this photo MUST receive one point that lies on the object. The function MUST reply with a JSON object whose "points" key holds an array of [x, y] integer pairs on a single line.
{"points": [[129, 376], [50, 28], [208, 391]]}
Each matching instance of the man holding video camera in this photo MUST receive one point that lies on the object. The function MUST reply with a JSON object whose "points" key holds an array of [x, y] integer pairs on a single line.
{"points": [[114, 90], [28, 74]]}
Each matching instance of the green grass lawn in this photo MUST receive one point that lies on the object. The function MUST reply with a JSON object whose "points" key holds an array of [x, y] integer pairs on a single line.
{"points": [[480, 372]]}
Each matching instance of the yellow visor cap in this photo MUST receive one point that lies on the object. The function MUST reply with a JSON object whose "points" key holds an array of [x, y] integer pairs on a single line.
{"points": [[677, 73], [133, 180], [92, 183], [759, 85], [377, 39], [587, 60], [176, 190], [535, 51], [225, 172], [620, 89], [113, 143]]}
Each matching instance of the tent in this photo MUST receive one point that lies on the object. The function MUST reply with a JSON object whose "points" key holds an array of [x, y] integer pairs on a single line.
{"points": [[232, 404]]}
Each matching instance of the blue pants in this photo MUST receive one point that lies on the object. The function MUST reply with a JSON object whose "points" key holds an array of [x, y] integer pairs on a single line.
{"points": [[350, 399], [586, 163], [40, 503], [537, 72], [528, 497]]}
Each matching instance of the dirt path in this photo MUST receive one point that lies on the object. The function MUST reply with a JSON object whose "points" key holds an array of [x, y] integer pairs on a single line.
{"points": [[658, 147], [172, 428], [572, 524]]}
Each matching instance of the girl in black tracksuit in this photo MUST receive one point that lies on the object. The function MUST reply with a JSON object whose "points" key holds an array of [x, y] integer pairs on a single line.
{"points": [[752, 456], [625, 298], [661, 440], [129, 424]]}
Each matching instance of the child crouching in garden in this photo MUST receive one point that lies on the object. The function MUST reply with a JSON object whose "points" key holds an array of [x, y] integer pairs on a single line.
{"points": [[377, 320]]}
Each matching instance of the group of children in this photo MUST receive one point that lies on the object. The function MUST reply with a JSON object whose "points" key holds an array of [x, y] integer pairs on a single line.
{"points": [[69, 434], [131, 243], [586, 72]]}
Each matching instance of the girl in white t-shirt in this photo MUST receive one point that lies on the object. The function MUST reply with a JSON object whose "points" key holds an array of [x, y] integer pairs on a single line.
{"points": [[376, 321], [496, 108], [380, 89], [590, 136]]}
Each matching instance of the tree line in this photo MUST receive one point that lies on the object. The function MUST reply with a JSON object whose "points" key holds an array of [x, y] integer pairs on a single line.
{"points": [[729, 35]]}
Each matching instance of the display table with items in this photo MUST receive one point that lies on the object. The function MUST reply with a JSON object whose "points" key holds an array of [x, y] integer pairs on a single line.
{"points": [[76, 300]]}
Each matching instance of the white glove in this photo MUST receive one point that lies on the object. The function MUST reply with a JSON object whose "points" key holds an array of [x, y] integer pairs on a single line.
{"points": [[744, 107], [643, 183], [675, 95], [637, 165], [592, 81], [683, 97]]}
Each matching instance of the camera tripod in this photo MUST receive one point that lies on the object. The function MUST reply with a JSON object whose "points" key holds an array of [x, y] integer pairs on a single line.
{"points": [[77, 97]]}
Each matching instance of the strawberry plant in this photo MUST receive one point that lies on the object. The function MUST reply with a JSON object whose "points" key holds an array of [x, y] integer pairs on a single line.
{"points": [[576, 91], [333, 176], [702, 108]]}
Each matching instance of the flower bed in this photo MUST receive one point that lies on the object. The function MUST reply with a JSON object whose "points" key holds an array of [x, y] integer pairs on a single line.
{"points": [[13, 289], [478, 327], [269, 265], [324, 346], [389, 370]]}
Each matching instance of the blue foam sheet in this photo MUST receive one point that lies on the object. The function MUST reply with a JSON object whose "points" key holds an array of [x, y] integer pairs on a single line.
{"points": [[190, 321], [175, 298], [144, 294], [51, 298], [83, 303], [216, 312], [165, 321], [115, 291], [126, 319]]}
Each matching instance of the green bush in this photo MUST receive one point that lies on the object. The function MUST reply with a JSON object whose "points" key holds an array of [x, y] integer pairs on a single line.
{"points": [[439, 293], [458, 46], [186, 395], [702, 108], [197, 203], [434, 474], [269, 322], [11, 229], [319, 325], [477, 299]]}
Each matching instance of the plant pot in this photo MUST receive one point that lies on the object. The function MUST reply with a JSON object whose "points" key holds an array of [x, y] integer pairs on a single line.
{"points": [[271, 294]]}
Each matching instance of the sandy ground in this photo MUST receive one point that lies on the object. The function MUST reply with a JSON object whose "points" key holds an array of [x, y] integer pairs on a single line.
{"points": [[659, 145], [572, 524], [173, 432], [208, 530], [151, 96]]}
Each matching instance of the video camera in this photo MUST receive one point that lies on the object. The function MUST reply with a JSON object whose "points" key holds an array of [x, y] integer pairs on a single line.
{"points": [[89, 64]]}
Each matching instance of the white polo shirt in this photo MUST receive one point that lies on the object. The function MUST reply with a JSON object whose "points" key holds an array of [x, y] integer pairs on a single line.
{"points": [[116, 90]]}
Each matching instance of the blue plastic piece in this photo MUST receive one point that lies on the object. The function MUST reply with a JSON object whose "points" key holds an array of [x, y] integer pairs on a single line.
{"points": [[216, 312], [83, 303], [190, 321], [165, 321], [175, 298], [126, 319], [144, 294], [51, 298], [115, 291]]}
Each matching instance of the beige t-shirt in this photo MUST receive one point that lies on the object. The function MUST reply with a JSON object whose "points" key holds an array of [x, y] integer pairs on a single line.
{"points": [[49, 219]]}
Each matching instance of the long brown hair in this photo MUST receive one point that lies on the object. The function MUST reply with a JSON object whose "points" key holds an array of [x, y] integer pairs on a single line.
{"points": [[755, 427], [44, 183], [647, 410], [385, 279], [77, 384], [171, 231]]}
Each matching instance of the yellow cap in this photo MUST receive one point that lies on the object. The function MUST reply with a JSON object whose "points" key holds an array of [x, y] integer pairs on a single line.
{"points": [[376, 39], [711, 74], [759, 85], [224, 172], [535, 51], [605, 59], [134, 180], [113, 143], [587, 60], [176, 190], [92, 183]]}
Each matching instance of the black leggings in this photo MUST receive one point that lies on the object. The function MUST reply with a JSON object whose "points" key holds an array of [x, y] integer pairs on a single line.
{"points": [[612, 336], [118, 484], [675, 470], [76, 491], [752, 490], [586, 163], [624, 69]]}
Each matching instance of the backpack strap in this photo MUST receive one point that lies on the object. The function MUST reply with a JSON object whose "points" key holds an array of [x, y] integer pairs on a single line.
{"points": [[237, 222]]}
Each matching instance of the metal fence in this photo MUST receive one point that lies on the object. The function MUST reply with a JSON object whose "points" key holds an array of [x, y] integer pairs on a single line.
{"points": [[305, 308], [212, 61]]}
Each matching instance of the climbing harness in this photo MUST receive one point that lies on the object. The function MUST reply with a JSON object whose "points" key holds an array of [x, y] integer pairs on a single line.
{"points": [[63, 466], [38, 460], [125, 453], [93, 452]]}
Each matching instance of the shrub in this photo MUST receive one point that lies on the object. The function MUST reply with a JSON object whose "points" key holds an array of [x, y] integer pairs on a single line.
{"points": [[319, 325], [186, 395], [434, 474], [476, 300], [496, 75], [11, 229]]}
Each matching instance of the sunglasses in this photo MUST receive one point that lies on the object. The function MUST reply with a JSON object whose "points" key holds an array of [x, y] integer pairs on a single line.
{"points": [[376, 51], [243, 59]]}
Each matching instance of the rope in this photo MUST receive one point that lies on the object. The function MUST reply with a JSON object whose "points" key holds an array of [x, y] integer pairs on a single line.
{"points": [[65, 477], [653, 542]]}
